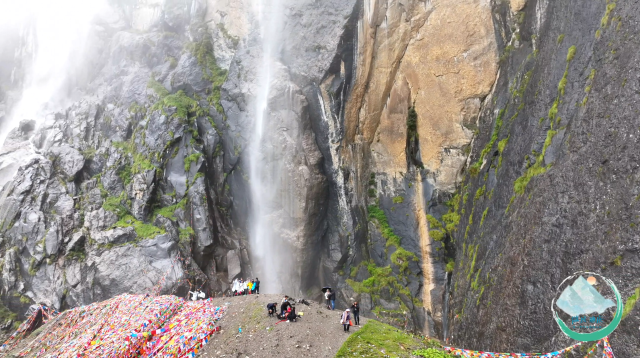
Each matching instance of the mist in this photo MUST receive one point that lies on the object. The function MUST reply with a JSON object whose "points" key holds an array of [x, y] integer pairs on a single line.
{"points": [[51, 38]]}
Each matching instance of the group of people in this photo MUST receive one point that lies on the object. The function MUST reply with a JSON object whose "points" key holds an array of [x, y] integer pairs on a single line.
{"points": [[287, 309], [245, 287], [330, 297]]}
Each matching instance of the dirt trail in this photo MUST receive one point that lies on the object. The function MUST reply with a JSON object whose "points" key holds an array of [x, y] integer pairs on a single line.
{"points": [[317, 334]]}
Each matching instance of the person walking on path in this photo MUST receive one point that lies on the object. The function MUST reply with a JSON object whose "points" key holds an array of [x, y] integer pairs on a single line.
{"points": [[355, 308], [346, 317], [257, 286], [332, 297]]}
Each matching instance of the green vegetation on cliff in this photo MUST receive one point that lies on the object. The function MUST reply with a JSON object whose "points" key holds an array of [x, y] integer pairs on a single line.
{"points": [[376, 339], [203, 52]]}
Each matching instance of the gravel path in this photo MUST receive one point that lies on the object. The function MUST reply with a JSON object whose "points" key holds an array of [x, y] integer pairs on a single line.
{"points": [[317, 334]]}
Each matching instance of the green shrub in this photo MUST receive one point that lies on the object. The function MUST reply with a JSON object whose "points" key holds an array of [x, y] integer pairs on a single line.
{"points": [[560, 39], [398, 200], [372, 193], [436, 235], [450, 266], [378, 214]]}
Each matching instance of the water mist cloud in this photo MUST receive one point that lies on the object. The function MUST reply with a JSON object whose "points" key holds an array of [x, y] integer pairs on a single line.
{"points": [[52, 39]]}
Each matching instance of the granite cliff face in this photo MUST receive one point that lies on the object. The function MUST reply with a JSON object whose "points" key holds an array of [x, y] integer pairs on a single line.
{"points": [[550, 186], [388, 126]]}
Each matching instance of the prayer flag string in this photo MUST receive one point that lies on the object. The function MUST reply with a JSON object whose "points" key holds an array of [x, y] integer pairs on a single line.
{"points": [[608, 352]]}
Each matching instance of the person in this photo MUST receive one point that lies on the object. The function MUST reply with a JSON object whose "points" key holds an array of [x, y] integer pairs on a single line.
{"points": [[285, 304], [332, 297], [234, 286], [355, 309], [272, 307], [291, 314], [327, 294], [346, 317], [257, 286]]}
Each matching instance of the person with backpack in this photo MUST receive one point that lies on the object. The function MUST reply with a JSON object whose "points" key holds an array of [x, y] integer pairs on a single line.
{"points": [[257, 286], [355, 308], [345, 320]]}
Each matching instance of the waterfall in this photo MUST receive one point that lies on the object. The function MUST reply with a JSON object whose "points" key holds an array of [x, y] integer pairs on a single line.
{"points": [[54, 35], [48, 40], [270, 194]]}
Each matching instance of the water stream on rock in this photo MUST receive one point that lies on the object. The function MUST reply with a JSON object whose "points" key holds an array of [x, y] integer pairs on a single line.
{"points": [[271, 257]]}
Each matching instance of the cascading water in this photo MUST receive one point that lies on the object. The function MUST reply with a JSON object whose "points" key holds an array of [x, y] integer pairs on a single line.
{"points": [[271, 256], [51, 37], [54, 34]]}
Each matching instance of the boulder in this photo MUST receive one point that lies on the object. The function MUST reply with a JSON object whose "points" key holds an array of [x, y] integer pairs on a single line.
{"points": [[116, 236], [69, 161]]}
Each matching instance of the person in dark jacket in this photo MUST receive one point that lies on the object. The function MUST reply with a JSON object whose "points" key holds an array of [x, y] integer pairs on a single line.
{"points": [[332, 297], [283, 307], [355, 310], [257, 286], [291, 315], [272, 307]]}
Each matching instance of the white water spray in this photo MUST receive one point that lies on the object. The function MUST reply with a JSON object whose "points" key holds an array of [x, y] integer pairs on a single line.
{"points": [[269, 254], [49, 61], [53, 35]]}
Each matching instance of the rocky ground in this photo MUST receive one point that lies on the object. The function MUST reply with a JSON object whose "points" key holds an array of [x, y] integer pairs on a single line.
{"points": [[317, 334]]}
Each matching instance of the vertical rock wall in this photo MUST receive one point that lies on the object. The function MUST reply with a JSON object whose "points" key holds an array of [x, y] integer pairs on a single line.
{"points": [[551, 184], [439, 58]]}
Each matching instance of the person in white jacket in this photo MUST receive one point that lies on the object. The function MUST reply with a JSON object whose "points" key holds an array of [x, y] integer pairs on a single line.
{"points": [[234, 287], [345, 319]]}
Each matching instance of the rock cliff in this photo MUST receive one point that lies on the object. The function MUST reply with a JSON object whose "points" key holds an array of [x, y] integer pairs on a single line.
{"points": [[388, 126], [550, 186]]}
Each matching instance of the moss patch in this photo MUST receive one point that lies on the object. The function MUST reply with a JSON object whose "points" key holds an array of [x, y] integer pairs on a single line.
{"points": [[631, 302], [144, 231], [376, 339]]}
